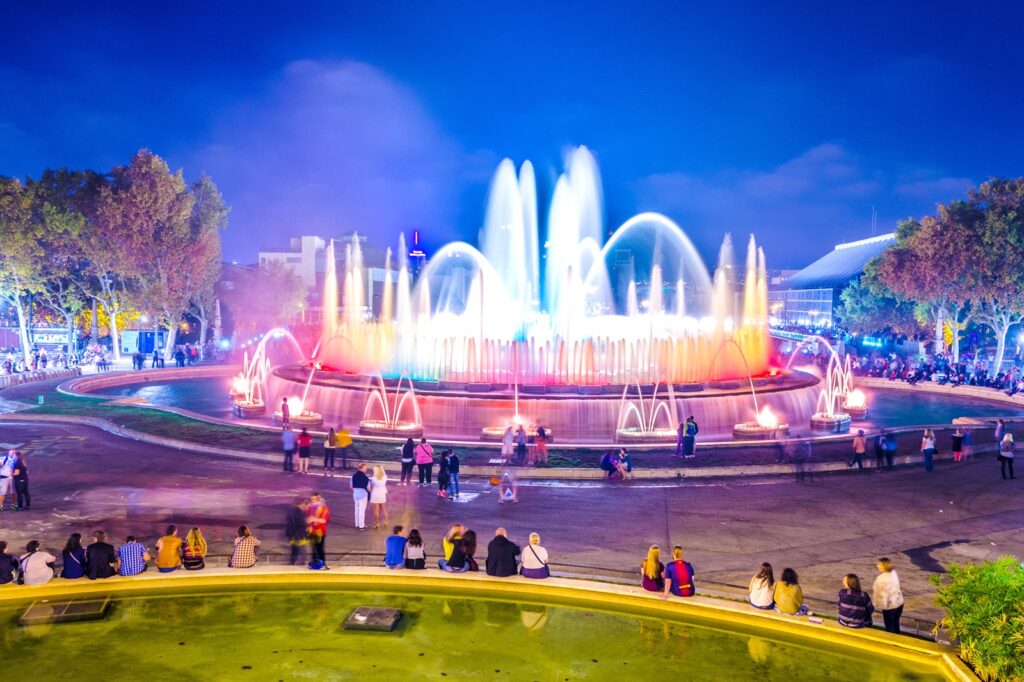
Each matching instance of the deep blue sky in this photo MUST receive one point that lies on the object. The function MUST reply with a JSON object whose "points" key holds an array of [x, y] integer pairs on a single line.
{"points": [[789, 120]]}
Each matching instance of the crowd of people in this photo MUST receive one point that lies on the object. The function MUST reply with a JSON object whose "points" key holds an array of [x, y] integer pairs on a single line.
{"points": [[967, 371], [459, 548], [14, 361]]}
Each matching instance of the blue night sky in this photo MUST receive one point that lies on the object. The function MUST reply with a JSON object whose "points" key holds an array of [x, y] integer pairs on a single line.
{"points": [[789, 120]]}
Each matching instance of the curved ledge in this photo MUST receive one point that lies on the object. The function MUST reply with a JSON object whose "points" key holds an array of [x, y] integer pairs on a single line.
{"points": [[556, 591]]}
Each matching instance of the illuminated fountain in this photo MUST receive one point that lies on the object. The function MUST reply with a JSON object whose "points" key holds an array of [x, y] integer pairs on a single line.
{"points": [[830, 416], [639, 421], [390, 421], [765, 427], [247, 389], [485, 336]]}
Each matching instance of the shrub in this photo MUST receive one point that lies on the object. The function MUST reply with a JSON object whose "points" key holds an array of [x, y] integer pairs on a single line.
{"points": [[984, 606]]}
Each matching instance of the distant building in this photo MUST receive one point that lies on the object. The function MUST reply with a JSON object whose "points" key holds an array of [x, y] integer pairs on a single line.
{"points": [[808, 298], [300, 257], [307, 258], [417, 256]]}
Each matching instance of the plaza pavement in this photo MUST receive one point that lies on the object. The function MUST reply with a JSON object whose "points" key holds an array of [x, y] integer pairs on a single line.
{"points": [[83, 479]]}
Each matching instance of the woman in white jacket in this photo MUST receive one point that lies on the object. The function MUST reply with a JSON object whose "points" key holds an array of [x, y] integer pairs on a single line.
{"points": [[887, 596]]}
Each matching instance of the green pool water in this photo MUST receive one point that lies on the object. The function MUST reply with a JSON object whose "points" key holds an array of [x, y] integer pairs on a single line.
{"points": [[297, 635]]}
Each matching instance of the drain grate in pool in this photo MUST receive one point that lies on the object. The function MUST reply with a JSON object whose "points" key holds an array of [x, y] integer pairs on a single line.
{"points": [[372, 619], [46, 611]]}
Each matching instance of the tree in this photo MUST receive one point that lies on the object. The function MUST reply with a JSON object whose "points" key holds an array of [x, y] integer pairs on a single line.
{"points": [[995, 211], [21, 257], [867, 305], [930, 264], [63, 264], [148, 210], [209, 217], [264, 297]]}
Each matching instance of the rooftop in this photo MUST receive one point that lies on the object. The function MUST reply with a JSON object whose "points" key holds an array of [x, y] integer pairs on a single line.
{"points": [[844, 263]]}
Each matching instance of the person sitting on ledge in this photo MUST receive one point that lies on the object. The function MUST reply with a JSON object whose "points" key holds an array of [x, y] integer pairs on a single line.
{"points": [[501, 555], [36, 567], [462, 559], [678, 576], [244, 554], [652, 571], [609, 465], [100, 558], [168, 551], [394, 549], [450, 539], [535, 560], [789, 597], [762, 588], [131, 557], [194, 550], [8, 564], [414, 553], [855, 607]]}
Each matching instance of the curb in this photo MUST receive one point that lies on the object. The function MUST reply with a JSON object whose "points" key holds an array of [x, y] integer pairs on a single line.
{"points": [[522, 473]]}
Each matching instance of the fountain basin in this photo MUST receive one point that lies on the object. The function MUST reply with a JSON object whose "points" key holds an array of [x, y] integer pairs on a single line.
{"points": [[401, 429], [752, 430], [830, 423], [856, 411], [636, 435], [248, 409], [304, 418]]}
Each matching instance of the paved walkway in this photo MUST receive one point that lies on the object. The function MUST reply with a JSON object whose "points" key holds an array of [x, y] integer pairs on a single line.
{"points": [[83, 479]]}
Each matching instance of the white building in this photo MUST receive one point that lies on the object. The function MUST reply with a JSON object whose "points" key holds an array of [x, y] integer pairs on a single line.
{"points": [[301, 258]]}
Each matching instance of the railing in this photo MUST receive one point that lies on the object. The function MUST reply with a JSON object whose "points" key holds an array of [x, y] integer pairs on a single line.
{"points": [[911, 625]]}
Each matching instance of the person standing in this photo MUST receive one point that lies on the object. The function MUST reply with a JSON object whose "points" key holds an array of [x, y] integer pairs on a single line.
{"points": [[887, 595], [968, 443], [541, 454], [379, 496], [330, 445], [22, 499], [408, 460], [305, 443], [520, 445], [295, 529], [344, 445], [957, 443], [890, 451], [453, 474], [680, 434], [880, 441], [1000, 431], [1006, 447], [928, 450], [288, 444], [168, 551], [690, 438], [286, 413], [7, 463], [442, 474], [100, 558], [506, 443], [360, 495], [318, 515], [860, 446], [425, 461]]}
